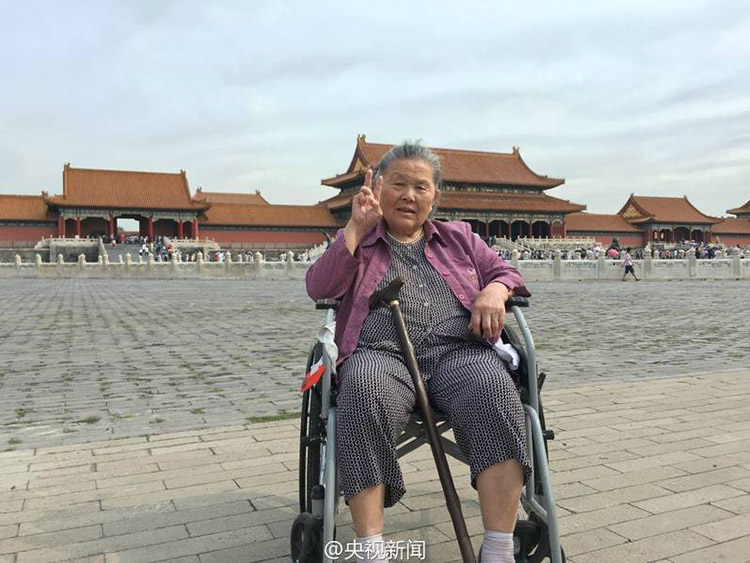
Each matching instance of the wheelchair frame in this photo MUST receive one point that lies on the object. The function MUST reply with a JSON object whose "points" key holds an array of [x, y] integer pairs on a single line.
{"points": [[315, 525]]}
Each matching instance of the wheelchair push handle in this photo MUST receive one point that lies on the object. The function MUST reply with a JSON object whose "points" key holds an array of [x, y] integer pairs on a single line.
{"points": [[327, 304], [516, 301]]}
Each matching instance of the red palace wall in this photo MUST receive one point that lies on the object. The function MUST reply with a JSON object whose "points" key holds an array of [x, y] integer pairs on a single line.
{"points": [[18, 233], [252, 236], [728, 240]]}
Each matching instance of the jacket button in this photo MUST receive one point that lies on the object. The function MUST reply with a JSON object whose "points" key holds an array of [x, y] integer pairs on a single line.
{"points": [[461, 296], [446, 274]]}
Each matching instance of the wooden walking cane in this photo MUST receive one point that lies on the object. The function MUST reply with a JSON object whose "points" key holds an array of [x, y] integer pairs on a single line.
{"points": [[389, 296]]}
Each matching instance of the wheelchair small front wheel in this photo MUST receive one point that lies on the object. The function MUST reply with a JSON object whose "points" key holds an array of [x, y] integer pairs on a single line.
{"points": [[307, 539], [531, 541]]}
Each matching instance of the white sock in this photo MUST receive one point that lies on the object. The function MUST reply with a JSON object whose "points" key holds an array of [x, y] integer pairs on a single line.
{"points": [[371, 549], [497, 547]]}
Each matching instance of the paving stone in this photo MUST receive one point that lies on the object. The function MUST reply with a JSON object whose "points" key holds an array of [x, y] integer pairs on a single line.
{"points": [[590, 540], [611, 498], [247, 519], [139, 520], [735, 551], [191, 546], [101, 546], [602, 517], [689, 498], [698, 480], [9, 531], [670, 521], [621, 480], [727, 529], [36, 541], [738, 505], [167, 495], [640, 463], [649, 549]]}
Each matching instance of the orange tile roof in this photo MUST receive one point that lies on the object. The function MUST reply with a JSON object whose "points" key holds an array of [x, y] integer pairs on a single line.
{"points": [[230, 197], [642, 209], [732, 226], [270, 215], [740, 210], [24, 208], [598, 222], [338, 201], [494, 201], [506, 202], [84, 187], [459, 166]]}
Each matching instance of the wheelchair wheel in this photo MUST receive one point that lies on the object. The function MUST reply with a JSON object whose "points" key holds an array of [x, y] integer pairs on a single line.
{"points": [[531, 541], [307, 539]]}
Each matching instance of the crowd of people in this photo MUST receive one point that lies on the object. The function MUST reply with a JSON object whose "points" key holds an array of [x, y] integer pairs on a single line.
{"points": [[702, 251]]}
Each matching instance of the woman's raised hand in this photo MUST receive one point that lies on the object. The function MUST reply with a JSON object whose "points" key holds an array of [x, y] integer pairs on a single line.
{"points": [[366, 212], [366, 204]]}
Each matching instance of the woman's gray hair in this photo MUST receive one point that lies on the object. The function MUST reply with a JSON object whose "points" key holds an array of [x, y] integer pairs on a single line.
{"points": [[411, 150]]}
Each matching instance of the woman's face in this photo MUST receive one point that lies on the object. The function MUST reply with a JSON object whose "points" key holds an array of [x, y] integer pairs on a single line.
{"points": [[407, 195]]}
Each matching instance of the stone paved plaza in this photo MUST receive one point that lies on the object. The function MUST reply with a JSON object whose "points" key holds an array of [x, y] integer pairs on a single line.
{"points": [[95, 359], [128, 416]]}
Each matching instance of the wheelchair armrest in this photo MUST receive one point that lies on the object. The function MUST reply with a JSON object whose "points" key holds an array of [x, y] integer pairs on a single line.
{"points": [[517, 302], [327, 304]]}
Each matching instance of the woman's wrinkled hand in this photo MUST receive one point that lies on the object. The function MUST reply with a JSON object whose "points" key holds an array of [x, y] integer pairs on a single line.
{"points": [[366, 211], [488, 311]]}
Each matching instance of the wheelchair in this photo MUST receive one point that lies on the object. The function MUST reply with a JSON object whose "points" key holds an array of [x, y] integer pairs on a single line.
{"points": [[536, 536]]}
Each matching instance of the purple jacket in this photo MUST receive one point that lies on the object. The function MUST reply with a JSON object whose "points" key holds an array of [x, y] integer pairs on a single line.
{"points": [[460, 256]]}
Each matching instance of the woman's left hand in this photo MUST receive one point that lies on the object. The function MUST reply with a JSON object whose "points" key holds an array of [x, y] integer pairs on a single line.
{"points": [[488, 311]]}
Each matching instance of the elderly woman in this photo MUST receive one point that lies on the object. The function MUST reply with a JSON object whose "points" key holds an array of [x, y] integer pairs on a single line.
{"points": [[454, 305]]}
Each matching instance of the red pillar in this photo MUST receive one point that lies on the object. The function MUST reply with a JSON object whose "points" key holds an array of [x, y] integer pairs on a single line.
{"points": [[510, 230], [195, 229], [78, 227], [564, 231], [111, 226], [150, 228], [672, 241], [180, 231], [529, 231], [61, 226], [487, 229]]}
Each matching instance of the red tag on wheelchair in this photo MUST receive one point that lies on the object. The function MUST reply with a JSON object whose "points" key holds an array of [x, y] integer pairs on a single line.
{"points": [[313, 376]]}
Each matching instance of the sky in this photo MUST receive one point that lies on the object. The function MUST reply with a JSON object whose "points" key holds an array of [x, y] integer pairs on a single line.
{"points": [[617, 97]]}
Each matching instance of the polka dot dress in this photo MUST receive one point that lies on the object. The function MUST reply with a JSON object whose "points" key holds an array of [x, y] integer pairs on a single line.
{"points": [[465, 378]]}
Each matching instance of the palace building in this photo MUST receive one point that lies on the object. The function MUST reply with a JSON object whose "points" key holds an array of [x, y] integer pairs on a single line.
{"points": [[735, 230], [496, 192], [93, 200], [667, 220]]}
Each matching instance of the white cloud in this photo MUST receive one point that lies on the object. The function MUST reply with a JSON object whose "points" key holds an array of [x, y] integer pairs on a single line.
{"points": [[616, 97]]}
